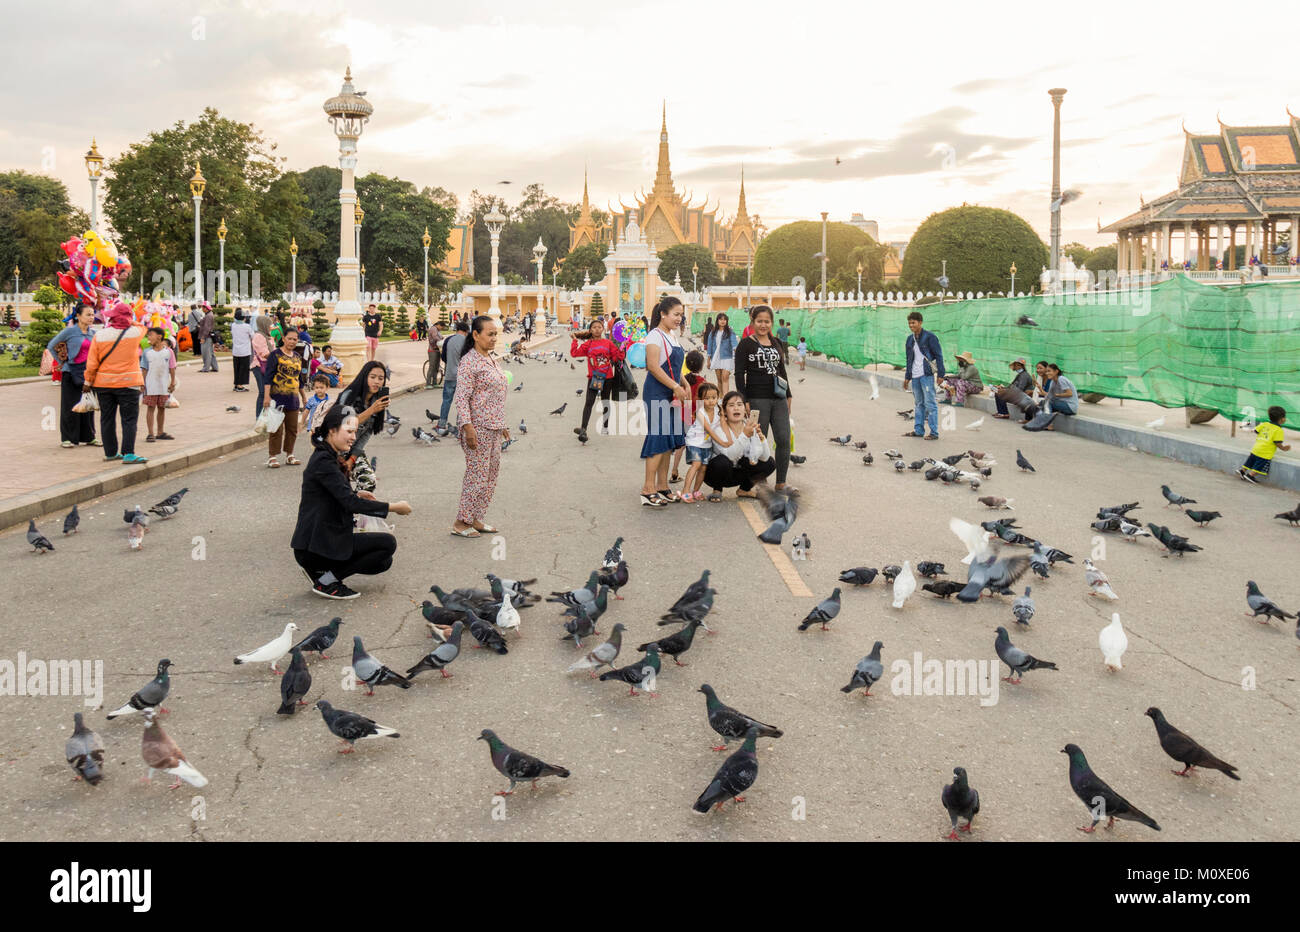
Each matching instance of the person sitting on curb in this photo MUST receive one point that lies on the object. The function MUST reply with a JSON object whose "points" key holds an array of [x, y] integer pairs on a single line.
{"points": [[966, 382], [1021, 382], [1061, 395]]}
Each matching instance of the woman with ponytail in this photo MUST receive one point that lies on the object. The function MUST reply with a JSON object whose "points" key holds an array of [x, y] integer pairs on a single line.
{"points": [[664, 393]]}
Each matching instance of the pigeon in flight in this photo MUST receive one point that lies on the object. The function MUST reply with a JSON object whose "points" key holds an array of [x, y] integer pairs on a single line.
{"points": [[516, 766], [1015, 658], [85, 752], [961, 801], [1096, 794], [352, 727], [1113, 642], [868, 671], [160, 752], [271, 651], [782, 508], [1185, 750]]}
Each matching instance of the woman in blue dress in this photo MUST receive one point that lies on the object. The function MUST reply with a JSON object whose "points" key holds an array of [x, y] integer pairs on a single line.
{"points": [[664, 393]]}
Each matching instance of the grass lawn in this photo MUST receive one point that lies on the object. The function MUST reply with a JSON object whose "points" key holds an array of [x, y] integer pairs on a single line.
{"points": [[9, 368]]}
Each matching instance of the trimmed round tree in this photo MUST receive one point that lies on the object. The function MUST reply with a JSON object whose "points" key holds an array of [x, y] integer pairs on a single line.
{"points": [[789, 250], [597, 306], [980, 244], [320, 326], [403, 320], [682, 258], [46, 322]]}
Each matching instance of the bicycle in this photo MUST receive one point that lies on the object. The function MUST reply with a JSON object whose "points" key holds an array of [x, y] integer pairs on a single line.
{"points": [[437, 372]]}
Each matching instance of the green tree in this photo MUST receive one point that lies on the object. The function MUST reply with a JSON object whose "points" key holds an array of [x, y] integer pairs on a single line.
{"points": [[979, 243], [1102, 259], [597, 306], [1078, 253], [222, 315], [397, 215], [444, 318], [679, 259], [46, 322], [403, 320], [791, 250], [35, 216], [320, 327], [589, 259]]}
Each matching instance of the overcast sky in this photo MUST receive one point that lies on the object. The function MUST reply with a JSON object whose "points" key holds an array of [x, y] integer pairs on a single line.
{"points": [[925, 105]]}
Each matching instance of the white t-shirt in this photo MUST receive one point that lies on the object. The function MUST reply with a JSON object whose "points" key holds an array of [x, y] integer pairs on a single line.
{"points": [[665, 342], [241, 339], [695, 434], [157, 365], [918, 361]]}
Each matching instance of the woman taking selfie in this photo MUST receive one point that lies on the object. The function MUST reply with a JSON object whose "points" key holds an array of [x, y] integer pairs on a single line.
{"points": [[761, 378], [602, 357], [664, 393], [324, 543], [481, 410], [741, 458]]}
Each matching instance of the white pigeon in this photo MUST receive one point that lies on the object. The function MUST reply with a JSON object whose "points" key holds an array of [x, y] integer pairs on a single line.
{"points": [[904, 584], [1157, 423], [1113, 642], [1097, 582], [975, 425], [272, 650], [973, 536], [507, 615], [875, 386]]}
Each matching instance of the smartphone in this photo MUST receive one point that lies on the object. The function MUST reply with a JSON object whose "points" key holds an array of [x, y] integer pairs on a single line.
{"points": [[753, 417]]}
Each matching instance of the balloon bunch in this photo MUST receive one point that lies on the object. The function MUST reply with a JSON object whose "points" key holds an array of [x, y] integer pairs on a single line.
{"points": [[91, 269]]}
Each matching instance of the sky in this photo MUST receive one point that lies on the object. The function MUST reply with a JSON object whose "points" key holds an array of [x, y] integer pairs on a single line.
{"points": [[924, 105]]}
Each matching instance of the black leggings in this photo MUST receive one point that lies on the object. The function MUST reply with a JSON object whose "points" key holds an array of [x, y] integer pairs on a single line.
{"points": [[372, 554], [606, 393], [721, 473]]}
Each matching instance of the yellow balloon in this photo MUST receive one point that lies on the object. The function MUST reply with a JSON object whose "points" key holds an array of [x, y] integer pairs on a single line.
{"points": [[106, 254]]}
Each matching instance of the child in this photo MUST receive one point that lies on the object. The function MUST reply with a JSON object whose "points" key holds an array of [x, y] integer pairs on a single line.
{"points": [[315, 363], [802, 350], [1270, 440], [700, 437], [694, 363], [159, 365], [320, 385]]}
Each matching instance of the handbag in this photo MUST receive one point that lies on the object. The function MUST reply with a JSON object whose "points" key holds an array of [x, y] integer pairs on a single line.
{"points": [[780, 387], [626, 382], [596, 382]]}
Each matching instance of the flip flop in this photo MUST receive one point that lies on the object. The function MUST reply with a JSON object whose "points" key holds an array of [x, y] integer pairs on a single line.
{"points": [[486, 529], [468, 532]]}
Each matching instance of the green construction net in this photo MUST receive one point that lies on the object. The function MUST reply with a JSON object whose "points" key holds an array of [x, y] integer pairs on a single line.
{"points": [[1235, 350]]}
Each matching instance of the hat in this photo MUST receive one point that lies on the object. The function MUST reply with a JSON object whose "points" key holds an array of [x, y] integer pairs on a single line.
{"points": [[966, 358], [1020, 362]]}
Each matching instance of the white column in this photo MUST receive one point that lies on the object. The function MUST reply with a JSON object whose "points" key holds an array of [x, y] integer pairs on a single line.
{"points": [[198, 258]]}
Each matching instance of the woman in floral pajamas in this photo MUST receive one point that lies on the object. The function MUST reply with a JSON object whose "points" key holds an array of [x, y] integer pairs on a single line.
{"points": [[481, 409]]}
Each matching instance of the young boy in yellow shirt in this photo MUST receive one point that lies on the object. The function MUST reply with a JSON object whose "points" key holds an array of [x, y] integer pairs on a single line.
{"points": [[1270, 440]]}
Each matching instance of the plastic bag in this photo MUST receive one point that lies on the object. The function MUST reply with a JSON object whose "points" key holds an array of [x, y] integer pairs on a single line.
{"points": [[269, 421], [366, 523], [89, 402], [172, 402]]}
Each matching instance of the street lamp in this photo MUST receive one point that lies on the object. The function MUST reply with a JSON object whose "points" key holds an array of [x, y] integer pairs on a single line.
{"points": [[363, 276], [824, 215], [221, 254], [859, 281], [94, 169], [1013, 279], [495, 221], [18, 307], [426, 239], [539, 256], [359, 215], [197, 184], [348, 113], [1057, 94], [695, 278], [293, 275]]}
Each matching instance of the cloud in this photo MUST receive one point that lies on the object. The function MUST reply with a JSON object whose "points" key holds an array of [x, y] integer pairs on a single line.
{"points": [[507, 82]]}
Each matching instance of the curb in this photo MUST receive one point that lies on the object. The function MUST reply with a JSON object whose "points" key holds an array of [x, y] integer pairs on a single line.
{"points": [[54, 498], [1206, 454]]}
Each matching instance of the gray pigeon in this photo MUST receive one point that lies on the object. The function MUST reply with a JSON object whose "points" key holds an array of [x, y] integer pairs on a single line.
{"points": [[516, 766], [1023, 607], [961, 801], [150, 695], [729, 723], [294, 684], [85, 752], [824, 611], [603, 655], [1173, 498], [579, 626], [322, 639], [352, 727], [1015, 658], [737, 774], [373, 673], [994, 571], [39, 542], [867, 672], [782, 508], [440, 656], [1260, 604], [71, 521], [1024, 463], [584, 596], [859, 575]]}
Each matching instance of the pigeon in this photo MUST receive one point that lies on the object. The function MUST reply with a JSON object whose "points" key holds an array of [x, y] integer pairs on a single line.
{"points": [[352, 727], [559, 410], [1024, 320], [1053, 555], [934, 472], [507, 617], [579, 626], [1024, 463], [930, 569], [1015, 658], [1292, 516], [442, 655], [1262, 605], [174, 500], [975, 425], [905, 415], [613, 556], [1098, 583], [961, 801], [824, 611], [85, 752], [640, 674], [900, 466], [893, 454], [692, 611], [694, 592], [150, 695], [271, 651], [164, 510], [994, 501], [584, 596], [71, 521], [944, 588], [730, 724], [431, 416], [1023, 607], [1111, 523], [139, 525], [294, 684], [891, 572], [232, 409], [1113, 642], [373, 673], [867, 672], [36, 539], [486, 635], [603, 655], [866, 460], [674, 645], [798, 460], [782, 508], [423, 436], [842, 441], [904, 584], [737, 774], [954, 459], [578, 392], [1173, 498], [1096, 794], [975, 539], [322, 639], [916, 465], [1173, 543], [1039, 563], [875, 386], [392, 426], [516, 766], [860, 445], [1185, 750], [1202, 518], [615, 580], [592, 610], [992, 569], [505, 445], [1120, 510], [859, 575], [160, 752]]}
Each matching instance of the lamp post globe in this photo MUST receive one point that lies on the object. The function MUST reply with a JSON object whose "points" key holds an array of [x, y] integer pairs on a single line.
{"points": [[94, 171], [222, 230], [197, 185]]}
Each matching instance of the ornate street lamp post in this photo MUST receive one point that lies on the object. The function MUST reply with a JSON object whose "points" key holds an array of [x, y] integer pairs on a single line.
{"points": [[695, 278], [363, 276], [17, 302], [495, 221], [348, 113], [1013, 279], [293, 266], [426, 239], [824, 215], [197, 184], [221, 257], [360, 216], [95, 170], [859, 281], [539, 256], [1057, 94]]}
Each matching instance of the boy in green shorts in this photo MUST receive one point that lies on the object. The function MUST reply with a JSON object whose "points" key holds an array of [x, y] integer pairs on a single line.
{"points": [[1270, 440]]}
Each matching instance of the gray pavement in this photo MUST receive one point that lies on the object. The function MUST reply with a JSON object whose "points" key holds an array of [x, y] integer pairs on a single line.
{"points": [[855, 768]]}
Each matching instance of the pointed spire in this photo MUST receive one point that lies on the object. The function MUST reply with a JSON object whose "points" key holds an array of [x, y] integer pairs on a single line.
{"points": [[742, 214], [663, 186]]}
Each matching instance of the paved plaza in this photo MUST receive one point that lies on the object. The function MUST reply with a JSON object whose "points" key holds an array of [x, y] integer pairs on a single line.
{"points": [[846, 768]]}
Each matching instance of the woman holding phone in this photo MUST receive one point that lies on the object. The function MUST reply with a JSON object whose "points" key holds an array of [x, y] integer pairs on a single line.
{"points": [[761, 378], [664, 393], [740, 456]]}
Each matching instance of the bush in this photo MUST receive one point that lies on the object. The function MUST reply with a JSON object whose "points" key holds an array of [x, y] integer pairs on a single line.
{"points": [[979, 243], [403, 320], [46, 322], [221, 327], [597, 306], [444, 318], [788, 252], [320, 326]]}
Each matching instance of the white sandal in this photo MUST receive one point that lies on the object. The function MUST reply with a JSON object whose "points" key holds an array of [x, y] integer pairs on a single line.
{"points": [[273, 463]]}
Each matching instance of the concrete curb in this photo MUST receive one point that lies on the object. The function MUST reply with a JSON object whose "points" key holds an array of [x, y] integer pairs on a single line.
{"points": [[61, 497], [1207, 454]]}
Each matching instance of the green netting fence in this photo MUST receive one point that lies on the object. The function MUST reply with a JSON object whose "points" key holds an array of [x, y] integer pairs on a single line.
{"points": [[1233, 350]]}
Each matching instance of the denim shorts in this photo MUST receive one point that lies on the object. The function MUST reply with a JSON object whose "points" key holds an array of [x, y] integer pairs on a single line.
{"points": [[698, 454]]}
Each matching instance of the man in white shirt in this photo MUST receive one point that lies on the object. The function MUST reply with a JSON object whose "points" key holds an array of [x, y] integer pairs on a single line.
{"points": [[241, 349], [330, 366]]}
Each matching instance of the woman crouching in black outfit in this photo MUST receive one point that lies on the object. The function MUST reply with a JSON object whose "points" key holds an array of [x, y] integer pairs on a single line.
{"points": [[324, 542]]}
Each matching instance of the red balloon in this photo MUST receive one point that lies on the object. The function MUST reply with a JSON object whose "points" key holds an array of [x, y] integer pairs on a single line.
{"points": [[68, 282]]}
